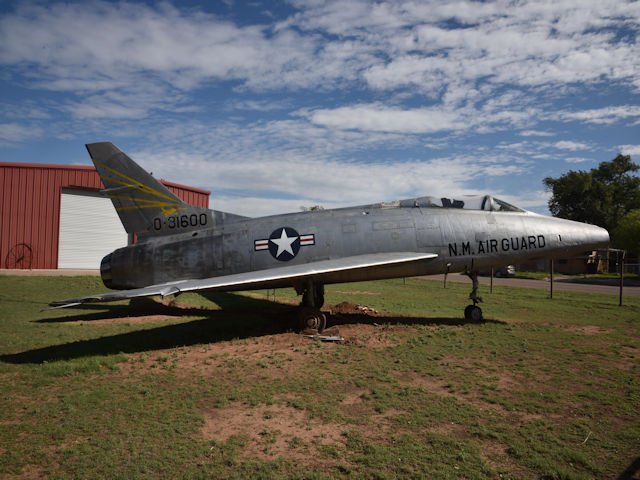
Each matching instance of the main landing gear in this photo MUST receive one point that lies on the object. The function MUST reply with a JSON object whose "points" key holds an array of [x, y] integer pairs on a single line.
{"points": [[473, 313], [309, 315]]}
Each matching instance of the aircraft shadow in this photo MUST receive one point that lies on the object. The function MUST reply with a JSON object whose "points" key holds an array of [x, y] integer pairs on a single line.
{"points": [[338, 319], [239, 317], [144, 307], [105, 312], [630, 471]]}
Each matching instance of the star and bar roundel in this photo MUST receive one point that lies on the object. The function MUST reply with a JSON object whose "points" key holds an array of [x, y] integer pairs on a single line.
{"points": [[284, 243]]}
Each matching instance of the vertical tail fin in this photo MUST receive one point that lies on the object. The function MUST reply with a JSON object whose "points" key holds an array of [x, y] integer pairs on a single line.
{"points": [[144, 205]]}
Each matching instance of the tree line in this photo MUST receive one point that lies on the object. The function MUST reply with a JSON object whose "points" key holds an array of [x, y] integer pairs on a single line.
{"points": [[607, 196]]}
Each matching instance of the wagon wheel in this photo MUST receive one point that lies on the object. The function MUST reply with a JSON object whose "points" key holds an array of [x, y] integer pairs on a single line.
{"points": [[19, 256]]}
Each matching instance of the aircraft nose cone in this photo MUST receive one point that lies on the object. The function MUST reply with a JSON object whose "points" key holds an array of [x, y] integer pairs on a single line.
{"points": [[592, 236], [597, 237]]}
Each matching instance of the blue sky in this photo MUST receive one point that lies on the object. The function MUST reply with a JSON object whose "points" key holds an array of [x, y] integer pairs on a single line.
{"points": [[277, 105]]}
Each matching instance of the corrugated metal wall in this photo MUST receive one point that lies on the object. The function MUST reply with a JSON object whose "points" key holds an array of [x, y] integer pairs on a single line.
{"points": [[30, 209], [190, 195]]}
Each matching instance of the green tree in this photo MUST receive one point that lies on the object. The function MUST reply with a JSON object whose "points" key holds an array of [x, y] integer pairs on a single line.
{"points": [[627, 233], [601, 196]]}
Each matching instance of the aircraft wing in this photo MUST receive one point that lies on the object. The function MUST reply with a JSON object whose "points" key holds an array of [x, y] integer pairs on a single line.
{"points": [[359, 267]]}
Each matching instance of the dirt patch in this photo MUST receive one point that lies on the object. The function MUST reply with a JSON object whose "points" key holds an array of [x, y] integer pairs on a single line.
{"points": [[495, 454], [508, 383], [272, 431], [269, 353], [586, 329], [370, 336], [450, 429], [430, 384], [383, 422], [348, 308], [354, 398], [628, 358], [440, 387]]}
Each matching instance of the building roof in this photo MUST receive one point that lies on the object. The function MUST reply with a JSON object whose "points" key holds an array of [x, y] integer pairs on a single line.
{"points": [[53, 166]]}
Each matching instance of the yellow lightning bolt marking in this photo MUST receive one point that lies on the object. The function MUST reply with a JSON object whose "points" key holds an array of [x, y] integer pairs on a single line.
{"points": [[136, 184], [143, 188], [152, 203]]}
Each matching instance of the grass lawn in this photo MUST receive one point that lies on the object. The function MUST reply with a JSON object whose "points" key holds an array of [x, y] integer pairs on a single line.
{"points": [[217, 387]]}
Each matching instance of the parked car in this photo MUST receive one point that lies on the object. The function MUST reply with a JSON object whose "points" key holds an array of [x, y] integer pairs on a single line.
{"points": [[498, 272]]}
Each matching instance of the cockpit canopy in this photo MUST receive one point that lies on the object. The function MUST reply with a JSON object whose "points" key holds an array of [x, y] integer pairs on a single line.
{"points": [[466, 202]]}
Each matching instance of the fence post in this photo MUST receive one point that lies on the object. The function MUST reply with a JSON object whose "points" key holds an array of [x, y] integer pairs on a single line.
{"points": [[491, 285], [621, 277]]}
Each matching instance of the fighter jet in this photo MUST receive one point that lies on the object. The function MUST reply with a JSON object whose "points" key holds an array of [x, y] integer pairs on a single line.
{"points": [[183, 248]]}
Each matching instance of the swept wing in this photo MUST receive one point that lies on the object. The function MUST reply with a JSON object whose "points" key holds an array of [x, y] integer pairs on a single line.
{"points": [[326, 271]]}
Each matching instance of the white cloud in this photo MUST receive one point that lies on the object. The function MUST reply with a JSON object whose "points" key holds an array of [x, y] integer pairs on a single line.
{"points": [[284, 173], [630, 149], [379, 118], [577, 159], [570, 145], [536, 133], [605, 115], [258, 105], [15, 132], [272, 186], [352, 95], [104, 46]]}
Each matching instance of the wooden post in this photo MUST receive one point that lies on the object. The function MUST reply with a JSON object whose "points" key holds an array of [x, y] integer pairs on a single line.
{"points": [[551, 282], [621, 277]]}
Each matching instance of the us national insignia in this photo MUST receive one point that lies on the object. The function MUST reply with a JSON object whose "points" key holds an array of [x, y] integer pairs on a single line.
{"points": [[284, 243]]}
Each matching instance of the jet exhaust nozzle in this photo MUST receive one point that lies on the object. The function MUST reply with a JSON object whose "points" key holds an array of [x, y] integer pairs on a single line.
{"points": [[105, 271]]}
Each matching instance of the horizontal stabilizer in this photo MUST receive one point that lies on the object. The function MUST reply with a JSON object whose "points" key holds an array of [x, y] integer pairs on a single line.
{"points": [[339, 270]]}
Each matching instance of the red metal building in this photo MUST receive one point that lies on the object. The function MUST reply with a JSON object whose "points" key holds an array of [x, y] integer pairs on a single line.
{"points": [[30, 205]]}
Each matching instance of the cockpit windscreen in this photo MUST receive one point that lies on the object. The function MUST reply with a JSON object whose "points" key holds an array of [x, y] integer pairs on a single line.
{"points": [[468, 202]]}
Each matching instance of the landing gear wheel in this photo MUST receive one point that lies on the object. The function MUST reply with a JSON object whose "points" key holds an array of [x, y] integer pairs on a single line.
{"points": [[473, 313], [311, 319], [467, 312]]}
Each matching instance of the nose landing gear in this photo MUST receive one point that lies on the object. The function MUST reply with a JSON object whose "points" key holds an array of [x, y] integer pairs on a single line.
{"points": [[473, 313]]}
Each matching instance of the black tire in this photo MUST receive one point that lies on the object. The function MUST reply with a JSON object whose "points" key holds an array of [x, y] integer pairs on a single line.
{"points": [[311, 319], [475, 314], [467, 312]]}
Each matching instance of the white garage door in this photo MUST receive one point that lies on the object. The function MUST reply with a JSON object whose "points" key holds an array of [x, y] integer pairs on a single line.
{"points": [[89, 229]]}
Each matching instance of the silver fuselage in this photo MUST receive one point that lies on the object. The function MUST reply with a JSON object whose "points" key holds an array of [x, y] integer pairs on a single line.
{"points": [[464, 240]]}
